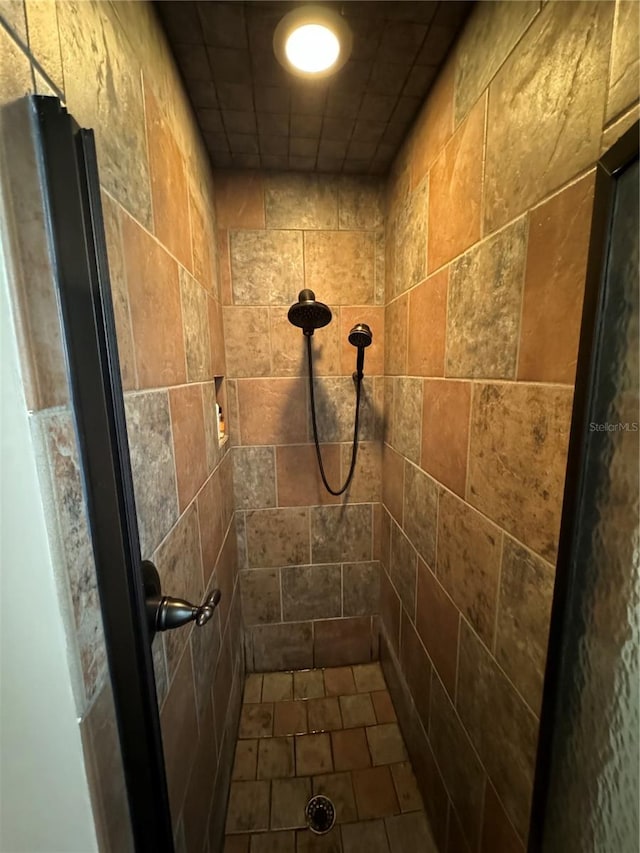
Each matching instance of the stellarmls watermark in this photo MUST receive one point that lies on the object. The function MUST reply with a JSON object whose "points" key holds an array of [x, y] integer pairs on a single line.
{"points": [[619, 427]]}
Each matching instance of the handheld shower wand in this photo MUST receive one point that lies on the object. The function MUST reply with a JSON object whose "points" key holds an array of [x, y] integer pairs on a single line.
{"points": [[310, 315]]}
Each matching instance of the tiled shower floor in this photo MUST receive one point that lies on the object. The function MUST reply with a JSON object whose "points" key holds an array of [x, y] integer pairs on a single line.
{"points": [[331, 732]]}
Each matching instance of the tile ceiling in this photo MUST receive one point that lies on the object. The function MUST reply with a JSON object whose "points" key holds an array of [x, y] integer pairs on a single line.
{"points": [[253, 114]]}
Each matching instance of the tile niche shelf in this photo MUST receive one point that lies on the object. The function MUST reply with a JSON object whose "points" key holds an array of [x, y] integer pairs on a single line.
{"points": [[221, 411]]}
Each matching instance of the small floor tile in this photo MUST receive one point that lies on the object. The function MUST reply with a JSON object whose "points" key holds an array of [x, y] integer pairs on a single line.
{"points": [[289, 798], [339, 681], [386, 744], [410, 832], [277, 687], [309, 842], [308, 684], [252, 688], [275, 758], [245, 763], [357, 710], [350, 750], [406, 787], [339, 788], [324, 714], [375, 794], [256, 721], [290, 718], [313, 755], [248, 808], [383, 707], [369, 835], [369, 677], [274, 842]]}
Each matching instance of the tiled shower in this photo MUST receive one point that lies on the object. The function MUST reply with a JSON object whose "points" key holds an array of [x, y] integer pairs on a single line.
{"points": [[468, 263]]}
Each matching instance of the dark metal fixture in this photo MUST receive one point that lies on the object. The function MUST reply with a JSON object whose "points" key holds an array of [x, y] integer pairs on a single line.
{"points": [[165, 613], [310, 315], [320, 814]]}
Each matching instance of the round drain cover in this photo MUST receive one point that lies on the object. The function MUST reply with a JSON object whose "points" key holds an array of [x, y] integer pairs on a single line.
{"points": [[321, 814]]}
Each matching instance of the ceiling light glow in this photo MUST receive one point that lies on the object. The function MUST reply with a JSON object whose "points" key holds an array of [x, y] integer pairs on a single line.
{"points": [[312, 48], [312, 41]]}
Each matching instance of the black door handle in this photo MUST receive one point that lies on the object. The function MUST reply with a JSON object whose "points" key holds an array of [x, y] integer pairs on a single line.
{"points": [[165, 613]]}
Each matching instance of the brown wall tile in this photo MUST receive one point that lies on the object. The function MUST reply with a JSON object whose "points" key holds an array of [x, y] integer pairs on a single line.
{"points": [[339, 266], [624, 70], [411, 240], [239, 200], [485, 298], [282, 647], [392, 482], [395, 353], [247, 340], [518, 448], [277, 537], [407, 420], [434, 125], [374, 355], [554, 285], [456, 185], [421, 512], [311, 592], [497, 831], [340, 642], [360, 588], [503, 730], [468, 562], [204, 248], [561, 65], [427, 326], [211, 532], [201, 784], [437, 621], [195, 321], [416, 668], [390, 609], [298, 475], [216, 338], [156, 316], [266, 267], [188, 441], [272, 411], [301, 201], [341, 533], [261, 596], [445, 432], [403, 562]]}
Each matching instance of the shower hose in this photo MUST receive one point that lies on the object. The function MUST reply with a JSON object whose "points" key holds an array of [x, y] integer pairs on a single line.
{"points": [[354, 449]]}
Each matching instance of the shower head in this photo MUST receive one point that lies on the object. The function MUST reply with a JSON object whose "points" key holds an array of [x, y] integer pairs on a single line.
{"points": [[308, 314], [361, 335]]}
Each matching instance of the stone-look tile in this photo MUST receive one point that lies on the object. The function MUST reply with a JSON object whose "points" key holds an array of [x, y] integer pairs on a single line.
{"points": [[226, 572], [375, 794], [179, 564], [120, 133], [300, 201], [289, 347], [239, 200], [366, 486], [287, 646], [340, 533], [179, 722], [411, 240], [290, 718], [421, 512], [204, 249], [383, 706], [497, 831], [13, 14], [205, 649], [339, 681], [313, 754], [339, 789], [289, 798], [360, 588], [189, 448], [487, 40], [119, 293], [446, 409], [456, 186], [246, 760], [277, 537], [260, 596], [324, 714], [196, 328], [169, 192], [201, 784], [624, 70], [339, 266], [236, 843], [224, 264], [390, 609], [366, 835], [308, 684], [350, 749], [154, 299], [434, 125], [561, 65], [248, 807], [342, 641], [298, 475], [212, 442], [272, 411], [417, 669], [335, 409], [406, 787], [275, 758], [309, 842], [386, 744], [437, 621], [392, 482], [266, 267], [253, 688], [273, 842], [369, 677], [210, 518], [407, 423], [485, 298], [613, 132], [380, 275], [277, 687], [519, 436], [254, 485], [403, 567], [461, 770], [246, 339], [526, 590], [360, 203], [456, 841], [502, 728], [396, 325], [374, 355], [256, 720], [410, 832], [427, 326], [103, 757], [357, 710], [311, 592], [554, 284], [468, 562], [152, 465]]}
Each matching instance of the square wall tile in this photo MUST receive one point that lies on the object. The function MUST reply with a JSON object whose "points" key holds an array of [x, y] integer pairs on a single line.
{"points": [[342, 641], [247, 341], [254, 485], [437, 621], [311, 592], [341, 533], [427, 326], [266, 267], [421, 512], [339, 266], [187, 423], [260, 596], [281, 647], [360, 588], [272, 411], [298, 475], [277, 537], [446, 410]]}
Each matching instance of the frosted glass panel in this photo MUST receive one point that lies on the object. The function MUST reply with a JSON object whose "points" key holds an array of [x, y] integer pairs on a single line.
{"points": [[593, 801]]}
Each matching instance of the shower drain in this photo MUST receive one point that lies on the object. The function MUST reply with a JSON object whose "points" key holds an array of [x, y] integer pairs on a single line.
{"points": [[321, 814]]}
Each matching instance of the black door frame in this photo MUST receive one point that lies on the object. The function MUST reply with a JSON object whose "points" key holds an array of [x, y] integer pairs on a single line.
{"points": [[567, 587], [69, 173]]}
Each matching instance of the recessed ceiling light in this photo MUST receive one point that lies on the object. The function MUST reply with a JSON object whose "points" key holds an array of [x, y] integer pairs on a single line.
{"points": [[312, 41]]}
